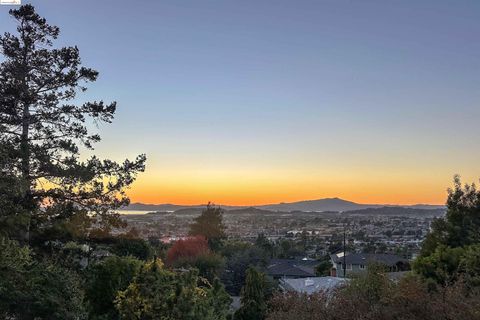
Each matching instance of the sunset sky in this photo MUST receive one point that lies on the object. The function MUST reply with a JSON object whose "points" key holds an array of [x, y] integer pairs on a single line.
{"points": [[254, 102]]}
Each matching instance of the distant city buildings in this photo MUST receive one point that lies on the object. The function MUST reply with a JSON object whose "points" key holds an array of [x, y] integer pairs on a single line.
{"points": [[321, 232]]}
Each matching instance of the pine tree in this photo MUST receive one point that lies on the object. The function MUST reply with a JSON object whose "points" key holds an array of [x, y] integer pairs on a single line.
{"points": [[42, 130], [210, 225]]}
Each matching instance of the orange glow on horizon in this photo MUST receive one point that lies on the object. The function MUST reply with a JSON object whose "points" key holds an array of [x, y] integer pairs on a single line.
{"points": [[256, 201], [258, 184], [242, 195]]}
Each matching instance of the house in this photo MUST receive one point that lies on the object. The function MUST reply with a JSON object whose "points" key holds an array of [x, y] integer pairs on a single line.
{"points": [[358, 262], [312, 285], [291, 268]]}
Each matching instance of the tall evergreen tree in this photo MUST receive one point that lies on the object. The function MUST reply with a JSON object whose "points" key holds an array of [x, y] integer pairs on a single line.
{"points": [[42, 130], [210, 225]]}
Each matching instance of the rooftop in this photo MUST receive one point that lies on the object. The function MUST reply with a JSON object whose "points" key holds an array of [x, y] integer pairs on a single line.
{"points": [[312, 285], [365, 258], [291, 268]]}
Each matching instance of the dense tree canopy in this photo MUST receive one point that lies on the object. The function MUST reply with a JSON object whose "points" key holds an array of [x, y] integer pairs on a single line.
{"points": [[157, 293], [194, 252], [452, 246], [239, 257], [104, 280], [32, 289]]}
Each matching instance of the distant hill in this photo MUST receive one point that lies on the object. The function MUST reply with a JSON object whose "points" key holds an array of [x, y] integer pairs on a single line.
{"points": [[337, 204], [320, 205], [329, 204], [426, 207], [249, 210], [191, 210], [399, 211], [154, 207]]}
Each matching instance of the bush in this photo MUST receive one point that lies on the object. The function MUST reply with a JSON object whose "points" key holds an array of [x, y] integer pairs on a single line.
{"points": [[40, 290], [157, 293]]}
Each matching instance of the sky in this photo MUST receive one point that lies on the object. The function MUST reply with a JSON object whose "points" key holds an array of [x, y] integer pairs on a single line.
{"points": [[254, 101]]}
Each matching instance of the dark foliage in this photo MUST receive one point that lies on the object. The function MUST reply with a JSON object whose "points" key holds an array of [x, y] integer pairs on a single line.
{"points": [[253, 297], [157, 293], [451, 248], [210, 225], [32, 289], [104, 280]]}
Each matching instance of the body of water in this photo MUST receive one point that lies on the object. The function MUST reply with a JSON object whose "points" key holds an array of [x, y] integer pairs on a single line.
{"points": [[133, 211]]}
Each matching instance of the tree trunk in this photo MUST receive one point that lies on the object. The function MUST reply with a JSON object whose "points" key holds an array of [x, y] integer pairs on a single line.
{"points": [[24, 142], [25, 167]]}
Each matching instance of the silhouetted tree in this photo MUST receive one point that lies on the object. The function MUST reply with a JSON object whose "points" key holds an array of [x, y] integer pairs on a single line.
{"points": [[461, 224], [210, 225], [42, 130]]}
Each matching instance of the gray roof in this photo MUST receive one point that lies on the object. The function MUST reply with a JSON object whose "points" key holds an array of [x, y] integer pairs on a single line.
{"points": [[291, 268], [366, 258], [236, 303], [312, 285]]}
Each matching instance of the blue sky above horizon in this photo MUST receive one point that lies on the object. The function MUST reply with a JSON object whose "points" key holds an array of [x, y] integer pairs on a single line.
{"points": [[250, 102]]}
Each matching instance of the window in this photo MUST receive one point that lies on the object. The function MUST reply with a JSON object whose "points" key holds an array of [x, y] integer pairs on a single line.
{"points": [[349, 267], [362, 267]]}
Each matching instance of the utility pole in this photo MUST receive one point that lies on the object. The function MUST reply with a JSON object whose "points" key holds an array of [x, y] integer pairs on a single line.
{"points": [[344, 251]]}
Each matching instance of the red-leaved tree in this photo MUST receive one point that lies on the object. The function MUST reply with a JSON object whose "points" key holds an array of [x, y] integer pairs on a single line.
{"points": [[188, 249]]}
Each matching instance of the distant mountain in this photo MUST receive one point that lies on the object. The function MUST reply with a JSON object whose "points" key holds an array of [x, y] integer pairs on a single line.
{"points": [[328, 204], [337, 204], [320, 205]]}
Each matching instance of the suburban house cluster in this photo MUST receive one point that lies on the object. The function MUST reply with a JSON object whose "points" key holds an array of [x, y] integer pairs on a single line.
{"points": [[299, 275]]}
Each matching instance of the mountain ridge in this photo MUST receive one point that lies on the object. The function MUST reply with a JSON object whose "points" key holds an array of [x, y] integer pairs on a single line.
{"points": [[317, 205]]}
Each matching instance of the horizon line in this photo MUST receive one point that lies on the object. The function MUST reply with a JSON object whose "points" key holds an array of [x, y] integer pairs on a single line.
{"points": [[292, 202]]}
